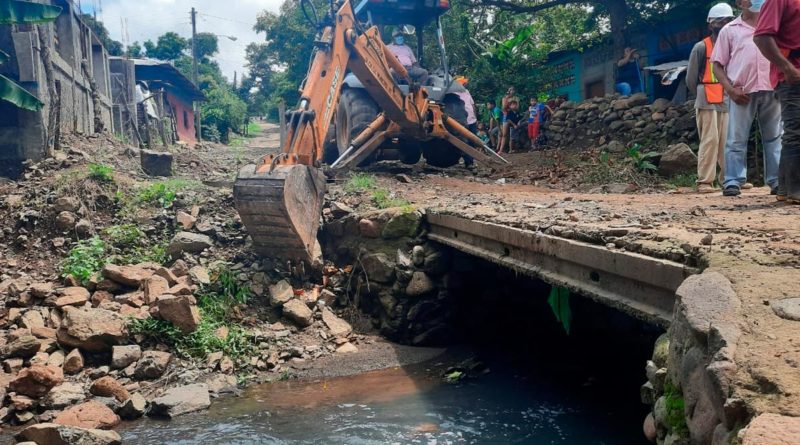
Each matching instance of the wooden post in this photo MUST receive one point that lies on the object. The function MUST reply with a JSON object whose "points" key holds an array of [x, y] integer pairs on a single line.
{"points": [[282, 120]]}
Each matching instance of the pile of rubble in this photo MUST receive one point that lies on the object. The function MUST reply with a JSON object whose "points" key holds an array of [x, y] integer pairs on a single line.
{"points": [[612, 122]]}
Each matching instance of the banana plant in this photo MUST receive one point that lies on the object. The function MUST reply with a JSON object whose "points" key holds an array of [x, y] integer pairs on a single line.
{"points": [[13, 12]]}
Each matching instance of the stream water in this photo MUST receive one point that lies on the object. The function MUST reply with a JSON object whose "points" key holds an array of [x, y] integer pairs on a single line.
{"points": [[412, 405]]}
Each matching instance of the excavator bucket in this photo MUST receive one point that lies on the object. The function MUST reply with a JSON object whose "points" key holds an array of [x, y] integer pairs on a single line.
{"points": [[281, 210]]}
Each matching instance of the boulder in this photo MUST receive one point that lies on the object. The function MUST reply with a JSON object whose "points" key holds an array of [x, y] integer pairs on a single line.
{"points": [[677, 159], [185, 220], [24, 347], [84, 228], [72, 296], [347, 348], [36, 381], [73, 362], [32, 319], [296, 311], [403, 223], [89, 415], [369, 228], [55, 434], [65, 221], [340, 210], [94, 330], [188, 242], [152, 365], [133, 408], [337, 326], [787, 308], [67, 204], [772, 429], [638, 99], [153, 287], [132, 276], [420, 284], [156, 163], [109, 387], [181, 400], [180, 310], [378, 267], [280, 293], [199, 275], [123, 356], [63, 396]]}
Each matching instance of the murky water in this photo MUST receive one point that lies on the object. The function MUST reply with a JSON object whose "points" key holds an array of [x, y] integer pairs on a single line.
{"points": [[409, 406]]}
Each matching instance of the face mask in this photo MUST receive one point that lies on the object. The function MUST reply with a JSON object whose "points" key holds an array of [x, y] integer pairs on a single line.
{"points": [[755, 5], [399, 40]]}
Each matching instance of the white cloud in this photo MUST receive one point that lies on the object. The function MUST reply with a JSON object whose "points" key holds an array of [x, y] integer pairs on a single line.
{"points": [[148, 19]]}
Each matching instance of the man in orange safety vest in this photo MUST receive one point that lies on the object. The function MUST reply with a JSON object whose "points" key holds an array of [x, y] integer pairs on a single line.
{"points": [[711, 102]]}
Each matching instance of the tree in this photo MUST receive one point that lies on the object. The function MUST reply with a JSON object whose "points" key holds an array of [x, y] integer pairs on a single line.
{"points": [[113, 47], [224, 110], [169, 46], [207, 45], [134, 50]]}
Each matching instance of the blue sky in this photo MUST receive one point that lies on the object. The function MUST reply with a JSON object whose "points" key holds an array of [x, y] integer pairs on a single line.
{"points": [[148, 19]]}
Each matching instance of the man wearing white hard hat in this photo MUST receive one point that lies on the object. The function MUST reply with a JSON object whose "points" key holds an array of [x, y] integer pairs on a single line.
{"points": [[711, 102], [744, 73]]}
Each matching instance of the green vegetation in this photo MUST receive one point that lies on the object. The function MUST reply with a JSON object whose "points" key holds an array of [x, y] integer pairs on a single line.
{"points": [[683, 180], [127, 244], [252, 129], [85, 259], [675, 405], [101, 172], [163, 193], [559, 302], [360, 182], [383, 200], [641, 161], [217, 304]]}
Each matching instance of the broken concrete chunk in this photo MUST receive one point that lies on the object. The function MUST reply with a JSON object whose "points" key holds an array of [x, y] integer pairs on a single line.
{"points": [[156, 163]]}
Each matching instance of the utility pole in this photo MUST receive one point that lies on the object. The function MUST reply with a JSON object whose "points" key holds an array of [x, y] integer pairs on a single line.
{"points": [[195, 75]]}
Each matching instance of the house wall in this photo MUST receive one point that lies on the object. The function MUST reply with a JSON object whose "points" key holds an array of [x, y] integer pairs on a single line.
{"points": [[123, 97], [184, 116], [23, 134]]}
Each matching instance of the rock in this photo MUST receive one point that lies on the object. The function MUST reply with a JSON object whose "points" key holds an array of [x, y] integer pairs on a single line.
{"points": [[72, 296], [638, 99], [180, 310], [65, 221], [73, 362], [418, 256], [661, 351], [347, 348], [56, 359], [152, 365], [788, 308], [132, 276], [63, 396], [168, 275], [84, 228], [20, 402], [123, 356], [706, 299], [677, 159], [188, 242], [660, 105], [280, 293], [32, 320], [94, 330], [337, 326], [296, 311], [378, 267], [89, 415], [109, 387], [707, 240], [369, 228], [12, 365], [404, 223], [616, 147], [772, 429], [437, 263], [339, 210], [226, 365], [24, 347], [181, 400], [36, 381], [155, 286], [185, 220], [133, 408], [55, 434], [156, 163], [199, 275], [420, 284], [179, 269], [67, 204], [41, 290]]}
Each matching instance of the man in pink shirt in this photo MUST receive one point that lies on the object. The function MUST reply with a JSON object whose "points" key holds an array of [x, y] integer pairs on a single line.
{"points": [[406, 57], [744, 74], [777, 35]]}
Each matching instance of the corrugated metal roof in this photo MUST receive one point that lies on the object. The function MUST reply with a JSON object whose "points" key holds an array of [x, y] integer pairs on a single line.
{"points": [[152, 70]]}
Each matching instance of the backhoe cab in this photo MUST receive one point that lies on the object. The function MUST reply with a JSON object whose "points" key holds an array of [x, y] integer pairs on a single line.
{"points": [[356, 82]]}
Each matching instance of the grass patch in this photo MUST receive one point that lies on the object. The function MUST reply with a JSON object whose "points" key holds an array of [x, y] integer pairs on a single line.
{"points": [[253, 129], [164, 193], [682, 180], [85, 259], [384, 200], [360, 182], [127, 244], [101, 173]]}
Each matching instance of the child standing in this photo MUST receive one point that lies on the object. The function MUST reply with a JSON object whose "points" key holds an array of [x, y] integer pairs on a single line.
{"points": [[482, 133], [512, 122], [536, 114]]}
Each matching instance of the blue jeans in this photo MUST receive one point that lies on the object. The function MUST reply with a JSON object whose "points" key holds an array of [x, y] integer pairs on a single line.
{"points": [[764, 106]]}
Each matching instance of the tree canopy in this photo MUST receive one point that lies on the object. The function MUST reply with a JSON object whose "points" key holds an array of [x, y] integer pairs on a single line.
{"points": [[169, 46]]}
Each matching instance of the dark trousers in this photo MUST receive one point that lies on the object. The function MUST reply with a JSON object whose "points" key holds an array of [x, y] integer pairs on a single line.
{"points": [[789, 166]]}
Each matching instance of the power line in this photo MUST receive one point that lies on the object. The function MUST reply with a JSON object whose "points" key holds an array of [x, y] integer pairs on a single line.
{"points": [[226, 19]]}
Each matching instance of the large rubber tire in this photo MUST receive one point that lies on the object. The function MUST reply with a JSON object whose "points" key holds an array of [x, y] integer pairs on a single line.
{"points": [[330, 152], [410, 151], [438, 152], [355, 112]]}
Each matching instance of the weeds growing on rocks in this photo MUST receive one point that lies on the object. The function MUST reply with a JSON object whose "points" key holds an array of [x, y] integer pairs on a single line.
{"points": [[163, 193], [360, 182], [85, 259], [101, 173], [383, 200]]}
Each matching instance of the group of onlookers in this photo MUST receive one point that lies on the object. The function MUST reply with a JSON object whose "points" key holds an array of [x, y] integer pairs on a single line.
{"points": [[505, 123], [746, 70]]}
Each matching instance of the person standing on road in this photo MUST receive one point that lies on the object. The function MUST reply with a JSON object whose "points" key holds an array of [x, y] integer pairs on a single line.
{"points": [[744, 74], [710, 104], [472, 117], [505, 128], [777, 36], [536, 113]]}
